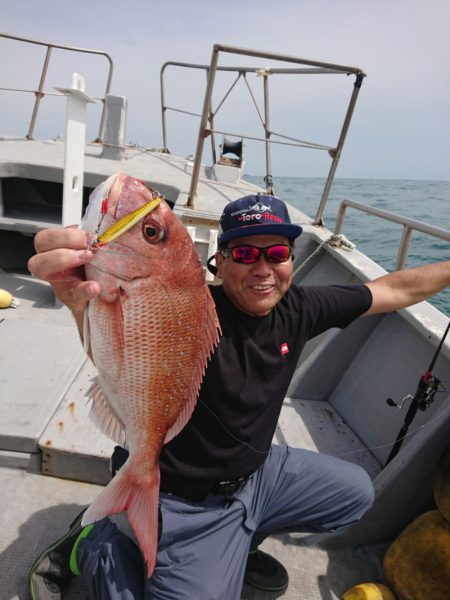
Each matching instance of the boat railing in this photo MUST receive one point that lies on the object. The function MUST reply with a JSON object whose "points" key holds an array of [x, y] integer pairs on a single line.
{"points": [[40, 93], [409, 225], [208, 114]]}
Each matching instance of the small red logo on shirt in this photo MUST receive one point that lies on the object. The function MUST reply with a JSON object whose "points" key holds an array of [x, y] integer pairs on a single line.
{"points": [[284, 348]]}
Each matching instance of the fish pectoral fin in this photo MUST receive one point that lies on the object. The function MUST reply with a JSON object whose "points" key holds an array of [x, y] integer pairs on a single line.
{"points": [[104, 416]]}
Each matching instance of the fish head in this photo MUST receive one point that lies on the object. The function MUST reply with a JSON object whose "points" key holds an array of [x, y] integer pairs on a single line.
{"points": [[137, 236]]}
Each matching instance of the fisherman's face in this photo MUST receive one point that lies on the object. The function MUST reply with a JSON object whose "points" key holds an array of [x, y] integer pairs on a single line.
{"points": [[255, 288]]}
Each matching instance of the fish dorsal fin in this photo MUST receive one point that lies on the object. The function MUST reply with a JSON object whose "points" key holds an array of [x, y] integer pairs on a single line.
{"points": [[103, 415], [211, 339]]}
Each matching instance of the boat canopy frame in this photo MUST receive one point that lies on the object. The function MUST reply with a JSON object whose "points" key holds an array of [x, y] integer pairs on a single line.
{"points": [[206, 127]]}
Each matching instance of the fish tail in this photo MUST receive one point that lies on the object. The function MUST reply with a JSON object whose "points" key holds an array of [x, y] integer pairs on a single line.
{"points": [[140, 500]]}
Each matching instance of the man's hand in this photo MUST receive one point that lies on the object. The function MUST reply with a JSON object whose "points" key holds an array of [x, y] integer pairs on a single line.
{"points": [[61, 255]]}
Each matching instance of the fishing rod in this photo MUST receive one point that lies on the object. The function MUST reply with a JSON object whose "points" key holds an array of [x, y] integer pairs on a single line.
{"points": [[422, 399]]}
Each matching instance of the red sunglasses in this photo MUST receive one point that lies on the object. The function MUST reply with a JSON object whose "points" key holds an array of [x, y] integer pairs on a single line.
{"points": [[247, 255]]}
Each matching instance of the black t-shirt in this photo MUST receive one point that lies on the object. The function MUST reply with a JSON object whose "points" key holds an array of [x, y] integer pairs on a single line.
{"points": [[246, 380]]}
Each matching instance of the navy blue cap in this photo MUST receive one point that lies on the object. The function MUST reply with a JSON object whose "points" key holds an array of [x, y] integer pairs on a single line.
{"points": [[256, 215]]}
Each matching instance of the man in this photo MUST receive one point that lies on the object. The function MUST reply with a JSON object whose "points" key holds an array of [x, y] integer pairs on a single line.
{"points": [[224, 487]]}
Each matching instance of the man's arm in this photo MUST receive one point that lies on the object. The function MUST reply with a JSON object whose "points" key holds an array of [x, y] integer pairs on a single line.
{"points": [[404, 288]]}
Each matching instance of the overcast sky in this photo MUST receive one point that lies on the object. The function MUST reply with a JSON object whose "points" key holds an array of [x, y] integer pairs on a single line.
{"points": [[401, 124]]}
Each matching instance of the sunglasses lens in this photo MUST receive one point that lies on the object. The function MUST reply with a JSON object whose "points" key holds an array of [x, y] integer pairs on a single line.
{"points": [[249, 254], [278, 254], [245, 254]]}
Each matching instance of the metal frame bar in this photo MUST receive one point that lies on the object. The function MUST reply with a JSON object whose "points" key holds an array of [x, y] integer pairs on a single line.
{"points": [[409, 225], [336, 155], [267, 133], [295, 143], [40, 91]]}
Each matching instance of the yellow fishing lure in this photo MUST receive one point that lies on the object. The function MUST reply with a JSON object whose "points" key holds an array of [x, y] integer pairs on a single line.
{"points": [[125, 223]]}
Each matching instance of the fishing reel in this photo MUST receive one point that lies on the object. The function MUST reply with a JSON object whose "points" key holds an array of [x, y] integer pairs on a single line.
{"points": [[422, 399], [424, 396]]}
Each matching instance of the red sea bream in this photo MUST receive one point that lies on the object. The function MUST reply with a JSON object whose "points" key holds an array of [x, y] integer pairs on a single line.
{"points": [[151, 332]]}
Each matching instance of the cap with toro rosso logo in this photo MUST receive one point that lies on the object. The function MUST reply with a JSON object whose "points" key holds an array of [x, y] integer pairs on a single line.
{"points": [[256, 215]]}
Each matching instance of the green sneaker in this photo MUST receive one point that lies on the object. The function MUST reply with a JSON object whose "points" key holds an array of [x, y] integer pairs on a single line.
{"points": [[265, 573], [52, 571]]}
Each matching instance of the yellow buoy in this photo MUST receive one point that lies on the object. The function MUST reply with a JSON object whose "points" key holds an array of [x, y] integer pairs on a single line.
{"points": [[369, 591], [417, 564], [7, 300]]}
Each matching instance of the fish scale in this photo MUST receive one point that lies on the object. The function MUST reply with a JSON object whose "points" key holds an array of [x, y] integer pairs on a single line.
{"points": [[152, 330]]}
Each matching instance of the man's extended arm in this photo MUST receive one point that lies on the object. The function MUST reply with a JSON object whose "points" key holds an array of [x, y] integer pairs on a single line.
{"points": [[404, 288]]}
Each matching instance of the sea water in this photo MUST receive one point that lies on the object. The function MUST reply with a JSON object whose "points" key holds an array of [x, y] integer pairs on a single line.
{"points": [[426, 201]]}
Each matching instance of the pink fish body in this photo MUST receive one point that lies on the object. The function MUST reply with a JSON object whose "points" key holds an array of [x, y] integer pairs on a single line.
{"points": [[152, 331]]}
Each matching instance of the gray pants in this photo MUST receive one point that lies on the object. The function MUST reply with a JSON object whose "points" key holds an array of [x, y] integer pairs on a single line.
{"points": [[203, 549]]}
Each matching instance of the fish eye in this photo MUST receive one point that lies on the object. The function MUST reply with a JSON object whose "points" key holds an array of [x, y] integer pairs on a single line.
{"points": [[152, 230]]}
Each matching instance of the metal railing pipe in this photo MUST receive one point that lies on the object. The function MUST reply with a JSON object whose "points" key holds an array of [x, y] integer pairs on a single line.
{"points": [[203, 122], [403, 248], [288, 58], [268, 178], [40, 92], [107, 90], [336, 154], [211, 127], [163, 107], [409, 225]]}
